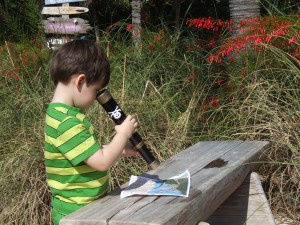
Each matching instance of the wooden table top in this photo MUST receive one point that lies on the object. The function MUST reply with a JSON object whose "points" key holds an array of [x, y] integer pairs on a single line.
{"points": [[217, 169]]}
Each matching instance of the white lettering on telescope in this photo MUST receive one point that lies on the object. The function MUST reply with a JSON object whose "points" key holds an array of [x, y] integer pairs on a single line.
{"points": [[116, 113]]}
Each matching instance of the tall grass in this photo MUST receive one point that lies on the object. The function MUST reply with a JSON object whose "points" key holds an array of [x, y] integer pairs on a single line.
{"points": [[174, 95], [24, 94]]}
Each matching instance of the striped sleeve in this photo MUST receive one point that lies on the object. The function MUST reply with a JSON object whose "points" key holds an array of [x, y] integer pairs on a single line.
{"points": [[75, 141]]}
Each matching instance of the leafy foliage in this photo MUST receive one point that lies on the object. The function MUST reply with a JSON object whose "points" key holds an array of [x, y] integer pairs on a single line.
{"points": [[20, 20]]}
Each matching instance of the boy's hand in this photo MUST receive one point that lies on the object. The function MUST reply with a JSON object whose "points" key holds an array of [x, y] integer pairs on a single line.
{"points": [[128, 127], [129, 151]]}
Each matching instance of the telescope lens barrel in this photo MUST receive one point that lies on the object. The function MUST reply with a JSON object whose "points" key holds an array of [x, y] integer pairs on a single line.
{"points": [[114, 111], [118, 116]]}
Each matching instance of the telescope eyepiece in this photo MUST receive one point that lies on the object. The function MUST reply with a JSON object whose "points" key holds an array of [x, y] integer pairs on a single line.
{"points": [[103, 96]]}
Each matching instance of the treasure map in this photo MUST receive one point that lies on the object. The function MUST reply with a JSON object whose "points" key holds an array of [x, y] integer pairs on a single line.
{"points": [[177, 186]]}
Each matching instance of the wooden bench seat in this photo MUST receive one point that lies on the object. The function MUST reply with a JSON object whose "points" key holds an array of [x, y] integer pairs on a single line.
{"points": [[247, 205], [217, 169]]}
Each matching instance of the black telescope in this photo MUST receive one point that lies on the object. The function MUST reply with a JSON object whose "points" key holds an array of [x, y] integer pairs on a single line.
{"points": [[118, 116]]}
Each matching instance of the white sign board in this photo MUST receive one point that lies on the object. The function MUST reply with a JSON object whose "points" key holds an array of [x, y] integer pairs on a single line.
{"points": [[62, 10], [51, 2]]}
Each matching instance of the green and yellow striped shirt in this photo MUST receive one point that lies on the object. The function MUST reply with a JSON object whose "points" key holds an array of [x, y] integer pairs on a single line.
{"points": [[69, 140]]}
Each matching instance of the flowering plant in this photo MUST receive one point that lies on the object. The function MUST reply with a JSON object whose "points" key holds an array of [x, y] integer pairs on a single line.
{"points": [[256, 32], [251, 36]]}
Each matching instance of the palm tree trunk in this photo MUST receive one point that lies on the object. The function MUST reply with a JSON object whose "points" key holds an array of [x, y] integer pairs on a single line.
{"points": [[242, 9], [136, 23], [177, 13]]}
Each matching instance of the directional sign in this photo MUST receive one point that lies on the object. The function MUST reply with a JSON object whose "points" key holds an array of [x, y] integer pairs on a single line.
{"points": [[65, 26], [64, 10], [51, 2], [55, 43]]}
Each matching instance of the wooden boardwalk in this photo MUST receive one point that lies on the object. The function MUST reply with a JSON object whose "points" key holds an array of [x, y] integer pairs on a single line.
{"points": [[217, 169]]}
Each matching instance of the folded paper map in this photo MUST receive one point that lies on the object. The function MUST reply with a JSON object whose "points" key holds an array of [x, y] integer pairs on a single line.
{"points": [[178, 186]]}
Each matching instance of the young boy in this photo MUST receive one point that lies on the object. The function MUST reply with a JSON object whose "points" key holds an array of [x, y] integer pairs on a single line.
{"points": [[76, 164]]}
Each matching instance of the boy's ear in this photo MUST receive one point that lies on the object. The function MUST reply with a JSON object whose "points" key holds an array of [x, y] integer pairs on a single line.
{"points": [[79, 81]]}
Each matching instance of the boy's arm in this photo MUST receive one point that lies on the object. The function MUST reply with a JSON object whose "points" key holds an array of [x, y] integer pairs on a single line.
{"points": [[103, 159]]}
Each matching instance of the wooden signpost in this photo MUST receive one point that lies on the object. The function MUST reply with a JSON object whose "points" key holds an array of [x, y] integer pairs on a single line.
{"points": [[63, 27], [58, 25], [52, 2]]}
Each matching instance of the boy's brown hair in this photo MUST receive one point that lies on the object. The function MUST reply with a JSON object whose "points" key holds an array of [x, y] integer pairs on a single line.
{"points": [[80, 57]]}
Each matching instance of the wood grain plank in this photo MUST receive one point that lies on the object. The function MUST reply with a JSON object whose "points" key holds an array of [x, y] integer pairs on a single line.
{"points": [[51, 2], [62, 10], [247, 205], [196, 157], [65, 27]]}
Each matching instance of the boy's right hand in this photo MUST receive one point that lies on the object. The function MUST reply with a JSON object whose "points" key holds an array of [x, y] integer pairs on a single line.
{"points": [[128, 126]]}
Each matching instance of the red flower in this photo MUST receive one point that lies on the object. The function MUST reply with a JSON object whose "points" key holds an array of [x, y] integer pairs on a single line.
{"points": [[151, 47], [214, 101], [129, 27], [209, 24], [293, 40]]}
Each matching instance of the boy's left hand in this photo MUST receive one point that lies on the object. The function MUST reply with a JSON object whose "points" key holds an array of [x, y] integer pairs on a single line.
{"points": [[129, 151]]}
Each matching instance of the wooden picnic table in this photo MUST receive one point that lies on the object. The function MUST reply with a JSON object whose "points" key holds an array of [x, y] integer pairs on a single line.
{"points": [[217, 169]]}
